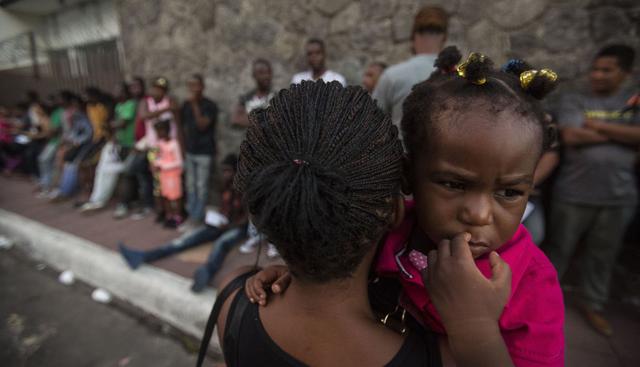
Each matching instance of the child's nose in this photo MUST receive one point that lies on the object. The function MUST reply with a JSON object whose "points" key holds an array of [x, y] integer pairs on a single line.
{"points": [[477, 210]]}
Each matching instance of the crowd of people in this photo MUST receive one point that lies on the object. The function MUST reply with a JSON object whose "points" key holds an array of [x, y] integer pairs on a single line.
{"points": [[478, 173]]}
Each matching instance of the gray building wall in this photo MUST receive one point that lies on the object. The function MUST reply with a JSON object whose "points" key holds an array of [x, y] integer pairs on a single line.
{"points": [[219, 39]]}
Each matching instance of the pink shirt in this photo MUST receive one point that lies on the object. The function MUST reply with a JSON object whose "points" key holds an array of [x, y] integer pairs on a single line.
{"points": [[150, 132], [169, 157], [532, 323]]}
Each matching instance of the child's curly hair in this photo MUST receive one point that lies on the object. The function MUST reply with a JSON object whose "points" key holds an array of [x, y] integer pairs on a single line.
{"points": [[477, 84], [319, 169]]}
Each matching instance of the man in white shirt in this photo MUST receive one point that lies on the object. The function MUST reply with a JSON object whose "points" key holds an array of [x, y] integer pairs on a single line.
{"points": [[428, 37], [316, 59]]}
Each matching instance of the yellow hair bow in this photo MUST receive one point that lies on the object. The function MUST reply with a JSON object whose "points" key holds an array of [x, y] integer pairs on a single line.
{"points": [[527, 76], [462, 68]]}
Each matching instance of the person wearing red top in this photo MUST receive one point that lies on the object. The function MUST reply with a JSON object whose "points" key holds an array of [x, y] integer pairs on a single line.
{"points": [[532, 320]]}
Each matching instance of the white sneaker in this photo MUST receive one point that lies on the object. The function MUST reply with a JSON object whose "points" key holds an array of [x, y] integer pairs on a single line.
{"points": [[272, 251], [250, 245], [187, 226], [53, 194], [143, 213], [120, 212], [87, 207], [44, 194]]}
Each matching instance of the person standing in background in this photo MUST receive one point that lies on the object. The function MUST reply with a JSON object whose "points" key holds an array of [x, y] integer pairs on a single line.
{"points": [[316, 59], [428, 37], [130, 184], [595, 192], [371, 75], [153, 108], [256, 98], [199, 115]]}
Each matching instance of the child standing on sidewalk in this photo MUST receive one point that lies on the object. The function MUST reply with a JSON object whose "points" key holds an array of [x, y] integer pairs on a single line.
{"points": [[168, 166]]}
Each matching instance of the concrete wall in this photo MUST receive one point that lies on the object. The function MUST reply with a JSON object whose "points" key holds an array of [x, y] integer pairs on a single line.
{"points": [[176, 38], [75, 25], [12, 24]]}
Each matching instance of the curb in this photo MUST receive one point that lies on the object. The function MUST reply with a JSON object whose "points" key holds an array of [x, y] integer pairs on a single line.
{"points": [[161, 293]]}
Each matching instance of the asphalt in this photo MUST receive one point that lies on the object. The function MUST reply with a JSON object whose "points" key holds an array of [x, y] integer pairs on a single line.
{"points": [[44, 323]]}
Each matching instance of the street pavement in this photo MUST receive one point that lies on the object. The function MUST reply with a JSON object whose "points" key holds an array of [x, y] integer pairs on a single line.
{"points": [[45, 323]]}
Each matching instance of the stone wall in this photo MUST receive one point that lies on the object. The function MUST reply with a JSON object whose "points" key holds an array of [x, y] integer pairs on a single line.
{"points": [[220, 38]]}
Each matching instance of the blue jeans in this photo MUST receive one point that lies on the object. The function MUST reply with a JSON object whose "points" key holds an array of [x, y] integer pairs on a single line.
{"points": [[198, 168], [221, 248], [600, 230], [188, 240], [46, 161]]}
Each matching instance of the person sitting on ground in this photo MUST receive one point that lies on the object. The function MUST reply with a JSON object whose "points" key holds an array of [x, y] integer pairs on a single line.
{"points": [[121, 141], [99, 111], [471, 170], [46, 159], [231, 216], [75, 145], [323, 184], [9, 150], [371, 75], [256, 98], [316, 60], [37, 130]]}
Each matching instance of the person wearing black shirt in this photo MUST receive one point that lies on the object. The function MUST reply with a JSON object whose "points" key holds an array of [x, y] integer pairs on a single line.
{"points": [[198, 116]]}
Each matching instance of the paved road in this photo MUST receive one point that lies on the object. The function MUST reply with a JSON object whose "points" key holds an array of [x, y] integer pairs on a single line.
{"points": [[44, 323]]}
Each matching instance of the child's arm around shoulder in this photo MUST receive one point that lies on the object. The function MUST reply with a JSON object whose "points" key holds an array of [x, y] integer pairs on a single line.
{"points": [[274, 277]]}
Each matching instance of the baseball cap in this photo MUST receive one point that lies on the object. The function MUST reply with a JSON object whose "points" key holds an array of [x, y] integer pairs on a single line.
{"points": [[431, 19], [161, 82]]}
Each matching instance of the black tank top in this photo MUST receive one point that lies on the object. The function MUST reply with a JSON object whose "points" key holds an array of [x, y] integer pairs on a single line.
{"points": [[247, 344]]}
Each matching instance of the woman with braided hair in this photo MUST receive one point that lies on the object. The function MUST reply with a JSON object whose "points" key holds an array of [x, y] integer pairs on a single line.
{"points": [[474, 137], [320, 170]]}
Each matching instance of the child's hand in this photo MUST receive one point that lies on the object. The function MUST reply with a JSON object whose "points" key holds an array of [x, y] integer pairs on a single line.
{"points": [[461, 294], [275, 276]]}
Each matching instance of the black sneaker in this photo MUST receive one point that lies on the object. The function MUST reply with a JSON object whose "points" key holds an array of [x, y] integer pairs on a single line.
{"points": [[133, 258], [170, 223], [160, 218], [200, 279]]}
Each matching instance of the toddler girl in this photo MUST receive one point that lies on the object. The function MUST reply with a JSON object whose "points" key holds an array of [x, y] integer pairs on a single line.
{"points": [[168, 166]]}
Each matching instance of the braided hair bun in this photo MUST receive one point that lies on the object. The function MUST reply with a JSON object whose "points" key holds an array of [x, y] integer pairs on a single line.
{"points": [[319, 169], [536, 83]]}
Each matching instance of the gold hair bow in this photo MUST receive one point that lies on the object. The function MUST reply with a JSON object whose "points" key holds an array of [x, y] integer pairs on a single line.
{"points": [[527, 76], [462, 68]]}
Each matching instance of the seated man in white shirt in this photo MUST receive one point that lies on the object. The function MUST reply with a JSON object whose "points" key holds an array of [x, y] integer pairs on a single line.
{"points": [[316, 59]]}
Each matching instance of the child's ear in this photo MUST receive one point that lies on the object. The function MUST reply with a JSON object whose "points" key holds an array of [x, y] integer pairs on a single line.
{"points": [[398, 212], [407, 175]]}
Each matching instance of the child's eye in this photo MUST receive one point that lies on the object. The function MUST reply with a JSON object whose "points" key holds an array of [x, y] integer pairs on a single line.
{"points": [[453, 185], [509, 194]]}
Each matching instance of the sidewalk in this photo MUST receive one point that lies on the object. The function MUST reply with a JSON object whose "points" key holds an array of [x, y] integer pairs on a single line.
{"points": [[17, 197], [99, 233], [87, 244]]}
